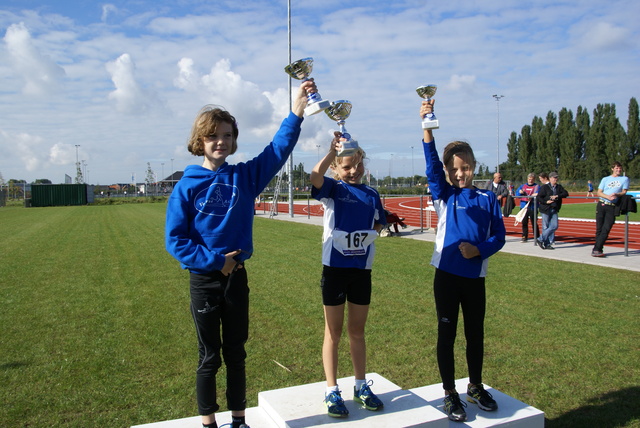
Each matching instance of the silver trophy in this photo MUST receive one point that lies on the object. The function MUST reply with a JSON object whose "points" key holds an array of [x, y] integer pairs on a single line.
{"points": [[340, 111], [427, 92], [301, 70]]}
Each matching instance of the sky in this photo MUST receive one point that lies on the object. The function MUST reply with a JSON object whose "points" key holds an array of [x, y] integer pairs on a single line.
{"points": [[116, 85]]}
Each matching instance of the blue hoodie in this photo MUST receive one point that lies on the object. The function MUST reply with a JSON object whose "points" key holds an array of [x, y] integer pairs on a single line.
{"points": [[464, 215], [210, 213]]}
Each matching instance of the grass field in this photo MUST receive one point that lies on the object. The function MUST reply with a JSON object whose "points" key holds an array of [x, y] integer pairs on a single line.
{"points": [[96, 329]]}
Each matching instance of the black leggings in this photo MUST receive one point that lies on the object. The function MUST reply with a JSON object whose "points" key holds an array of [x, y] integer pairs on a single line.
{"points": [[452, 291], [220, 309]]}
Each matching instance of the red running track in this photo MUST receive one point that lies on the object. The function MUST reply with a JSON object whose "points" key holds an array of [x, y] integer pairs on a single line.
{"points": [[569, 230]]}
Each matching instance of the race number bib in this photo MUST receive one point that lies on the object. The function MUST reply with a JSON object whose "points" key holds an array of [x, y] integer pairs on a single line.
{"points": [[353, 243]]}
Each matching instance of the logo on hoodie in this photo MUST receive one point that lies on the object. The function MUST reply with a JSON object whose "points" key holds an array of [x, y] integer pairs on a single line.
{"points": [[217, 199]]}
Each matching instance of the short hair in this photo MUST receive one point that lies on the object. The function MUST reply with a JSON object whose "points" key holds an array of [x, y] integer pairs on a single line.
{"points": [[615, 164], [457, 148], [544, 175], [531, 175], [206, 123]]}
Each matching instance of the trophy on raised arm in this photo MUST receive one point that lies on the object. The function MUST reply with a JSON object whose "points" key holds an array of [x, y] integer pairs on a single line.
{"points": [[340, 111], [301, 70], [427, 92]]}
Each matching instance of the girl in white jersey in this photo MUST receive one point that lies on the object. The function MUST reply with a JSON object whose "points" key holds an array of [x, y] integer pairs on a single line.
{"points": [[353, 216]]}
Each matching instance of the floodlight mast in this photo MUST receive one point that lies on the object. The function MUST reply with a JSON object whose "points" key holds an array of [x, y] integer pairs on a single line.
{"points": [[498, 97]]}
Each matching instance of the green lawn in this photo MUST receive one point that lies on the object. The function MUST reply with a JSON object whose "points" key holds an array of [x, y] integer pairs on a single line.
{"points": [[96, 329]]}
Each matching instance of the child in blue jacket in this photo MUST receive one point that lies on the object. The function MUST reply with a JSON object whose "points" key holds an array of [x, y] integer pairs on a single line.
{"points": [[470, 230], [209, 231]]}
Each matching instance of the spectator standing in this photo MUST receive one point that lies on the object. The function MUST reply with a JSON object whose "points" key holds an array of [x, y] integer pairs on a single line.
{"points": [[529, 190], [544, 179], [499, 187], [609, 190], [550, 200]]}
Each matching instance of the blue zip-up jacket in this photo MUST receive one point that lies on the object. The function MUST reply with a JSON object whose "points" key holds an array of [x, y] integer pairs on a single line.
{"points": [[210, 213], [464, 215]]}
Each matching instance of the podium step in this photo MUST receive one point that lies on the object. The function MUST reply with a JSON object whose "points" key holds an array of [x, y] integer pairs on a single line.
{"points": [[511, 413], [302, 406]]}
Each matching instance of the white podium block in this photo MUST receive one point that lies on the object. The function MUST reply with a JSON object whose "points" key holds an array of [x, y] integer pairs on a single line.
{"points": [[302, 406], [511, 412]]}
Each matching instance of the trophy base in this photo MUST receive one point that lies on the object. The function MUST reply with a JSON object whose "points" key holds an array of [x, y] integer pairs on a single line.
{"points": [[348, 148], [430, 124], [317, 107]]}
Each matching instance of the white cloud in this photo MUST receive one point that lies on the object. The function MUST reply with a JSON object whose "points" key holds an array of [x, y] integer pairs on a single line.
{"points": [[107, 9], [40, 74], [129, 95], [62, 154], [462, 83], [604, 36]]}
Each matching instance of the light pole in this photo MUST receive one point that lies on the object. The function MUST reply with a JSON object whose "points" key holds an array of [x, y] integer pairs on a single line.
{"points": [[162, 185], [498, 97], [412, 170], [172, 175], [318, 147], [78, 171]]}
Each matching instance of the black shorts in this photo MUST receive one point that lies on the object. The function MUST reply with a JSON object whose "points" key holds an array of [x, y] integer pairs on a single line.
{"points": [[345, 284]]}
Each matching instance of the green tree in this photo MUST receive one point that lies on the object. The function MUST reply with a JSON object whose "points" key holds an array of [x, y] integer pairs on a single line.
{"points": [[514, 170], [526, 151], [605, 141], [539, 144], [632, 148], [583, 127], [570, 147], [551, 153], [149, 179]]}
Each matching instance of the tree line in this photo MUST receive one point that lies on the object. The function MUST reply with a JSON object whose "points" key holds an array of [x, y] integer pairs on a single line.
{"points": [[578, 147]]}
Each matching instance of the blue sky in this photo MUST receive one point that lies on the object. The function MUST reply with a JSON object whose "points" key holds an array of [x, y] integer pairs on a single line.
{"points": [[123, 80]]}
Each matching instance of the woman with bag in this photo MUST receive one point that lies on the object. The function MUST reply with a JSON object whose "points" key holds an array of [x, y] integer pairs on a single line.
{"points": [[528, 191]]}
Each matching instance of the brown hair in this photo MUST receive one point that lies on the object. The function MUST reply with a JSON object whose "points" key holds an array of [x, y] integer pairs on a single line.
{"points": [[457, 148], [206, 122]]}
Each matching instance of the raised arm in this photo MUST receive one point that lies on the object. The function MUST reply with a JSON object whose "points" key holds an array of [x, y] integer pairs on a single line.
{"points": [[300, 100], [318, 171]]}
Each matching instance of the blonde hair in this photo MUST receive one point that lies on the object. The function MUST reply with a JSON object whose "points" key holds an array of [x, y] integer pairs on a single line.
{"points": [[359, 153], [206, 123]]}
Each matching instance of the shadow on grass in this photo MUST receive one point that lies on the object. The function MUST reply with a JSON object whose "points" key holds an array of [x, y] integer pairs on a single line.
{"points": [[613, 409], [13, 365]]}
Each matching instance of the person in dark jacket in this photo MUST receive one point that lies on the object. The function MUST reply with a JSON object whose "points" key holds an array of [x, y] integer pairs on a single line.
{"points": [[499, 187], [550, 201]]}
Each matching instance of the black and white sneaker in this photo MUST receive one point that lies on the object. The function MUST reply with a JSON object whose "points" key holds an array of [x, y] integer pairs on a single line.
{"points": [[454, 408], [477, 395]]}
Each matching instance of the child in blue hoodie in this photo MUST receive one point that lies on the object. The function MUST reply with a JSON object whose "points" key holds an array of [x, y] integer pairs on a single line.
{"points": [[209, 231], [470, 230]]}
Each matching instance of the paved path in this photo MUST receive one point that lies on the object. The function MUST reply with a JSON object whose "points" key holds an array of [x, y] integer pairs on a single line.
{"points": [[569, 251]]}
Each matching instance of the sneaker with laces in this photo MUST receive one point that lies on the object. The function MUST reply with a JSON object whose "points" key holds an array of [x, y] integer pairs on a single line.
{"points": [[454, 408], [477, 395], [335, 405], [366, 397]]}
